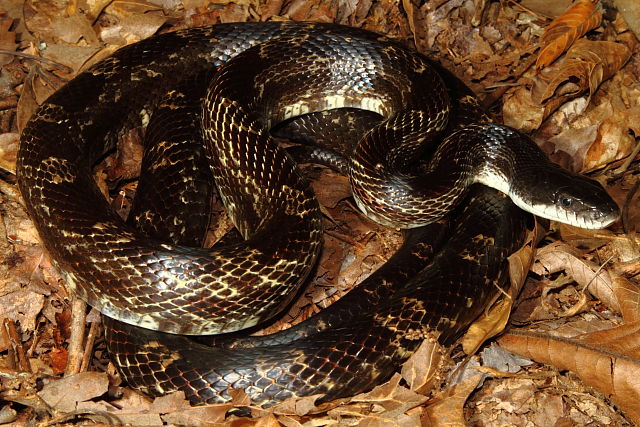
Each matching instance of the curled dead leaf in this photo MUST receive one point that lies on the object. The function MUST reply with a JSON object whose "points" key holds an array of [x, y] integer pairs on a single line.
{"points": [[489, 325], [385, 404], [587, 64], [7, 41], [627, 296], [521, 112], [561, 257], [449, 411], [607, 360], [424, 368], [8, 151], [613, 140], [563, 31], [64, 394]]}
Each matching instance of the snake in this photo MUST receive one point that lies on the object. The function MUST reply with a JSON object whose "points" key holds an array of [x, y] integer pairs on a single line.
{"points": [[257, 75]]}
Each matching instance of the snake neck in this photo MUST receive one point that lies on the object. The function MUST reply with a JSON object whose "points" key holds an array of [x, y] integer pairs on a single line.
{"points": [[486, 153], [483, 153]]}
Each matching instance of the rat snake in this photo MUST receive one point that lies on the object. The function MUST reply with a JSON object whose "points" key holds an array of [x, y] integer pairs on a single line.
{"points": [[177, 288]]}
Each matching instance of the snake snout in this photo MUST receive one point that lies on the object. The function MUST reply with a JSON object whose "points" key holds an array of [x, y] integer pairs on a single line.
{"points": [[586, 201], [604, 216], [559, 195]]}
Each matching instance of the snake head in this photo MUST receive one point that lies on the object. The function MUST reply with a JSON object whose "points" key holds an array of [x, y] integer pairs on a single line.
{"points": [[569, 198]]}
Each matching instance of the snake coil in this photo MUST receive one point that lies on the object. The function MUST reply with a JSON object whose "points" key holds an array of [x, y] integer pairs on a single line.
{"points": [[173, 287]]}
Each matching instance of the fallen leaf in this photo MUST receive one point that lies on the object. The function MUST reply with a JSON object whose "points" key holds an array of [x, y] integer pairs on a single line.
{"points": [[7, 41], [72, 29], [607, 360], [64, 394], [521, 112], [561, 257], [587, 64], [423, 371], [449, 410], [613, 141], [21, 305], [630, 11], [566, 29], [8, 151]]}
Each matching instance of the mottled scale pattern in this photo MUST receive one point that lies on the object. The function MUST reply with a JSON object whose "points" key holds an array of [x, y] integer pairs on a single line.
{"points": [[360, 340], [122, 272], [149, 277]]}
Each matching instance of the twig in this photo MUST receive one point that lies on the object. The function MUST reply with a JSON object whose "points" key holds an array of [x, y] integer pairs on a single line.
{"points": [[16, 348], [54, 64], [88, 348], [492, 98], [78, 316]]}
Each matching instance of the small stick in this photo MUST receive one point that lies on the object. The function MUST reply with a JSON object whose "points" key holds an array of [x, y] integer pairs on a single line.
{"points": [[54, 64], [78, 316], [20, 358], [88, 348]]}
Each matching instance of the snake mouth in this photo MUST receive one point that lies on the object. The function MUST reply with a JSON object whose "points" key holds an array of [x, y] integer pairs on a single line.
{"points": [[592, 219]]}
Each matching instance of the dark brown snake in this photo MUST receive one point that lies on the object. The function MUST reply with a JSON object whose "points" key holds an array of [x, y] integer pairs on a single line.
{"points": [[172, 286]]}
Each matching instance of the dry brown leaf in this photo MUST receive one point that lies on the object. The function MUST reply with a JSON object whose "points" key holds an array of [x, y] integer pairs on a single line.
{"points": [[71, 29], [27, 104], [124, 8], [177, 410], [547, 8], [566, 29], [197, 415], [616, 292], [64, 394], [487, 326], [608, 360], [7, 41], [136, 20], [630, 11], [569, 147], [94, 8], [587, 64], [537, 401], [298, 406], [21, 305], [135, 409], [613, 140], [388, 404], [422, 370], [521, 112], [103, 413], [169, 403], [559, 256], [627, 295], [58, 360], [314, 10], [8, 151], [449, 411], [131, 409]]}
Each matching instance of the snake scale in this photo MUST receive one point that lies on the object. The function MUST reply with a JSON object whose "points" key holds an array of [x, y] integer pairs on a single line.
{"points": [[261, 75]]}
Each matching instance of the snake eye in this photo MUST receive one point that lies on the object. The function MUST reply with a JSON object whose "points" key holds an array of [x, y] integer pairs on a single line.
{"points": [[566, 202]]}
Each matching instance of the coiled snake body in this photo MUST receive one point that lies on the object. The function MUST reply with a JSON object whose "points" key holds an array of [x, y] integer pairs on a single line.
{"points": [[176, 288]]}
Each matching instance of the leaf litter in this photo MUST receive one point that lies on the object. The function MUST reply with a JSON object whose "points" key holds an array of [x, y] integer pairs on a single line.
{"points": [[566, 72]]}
